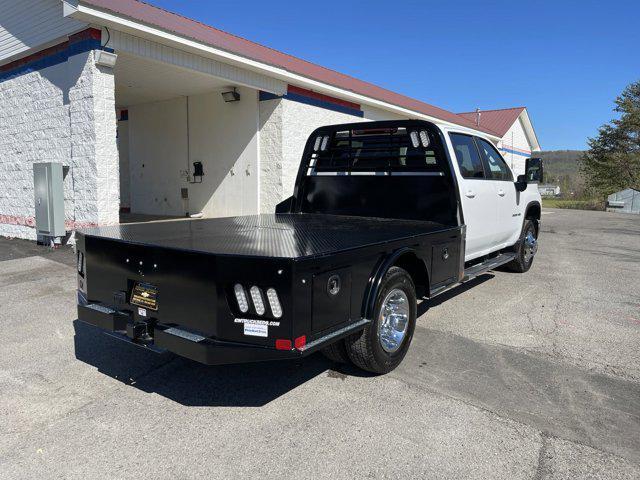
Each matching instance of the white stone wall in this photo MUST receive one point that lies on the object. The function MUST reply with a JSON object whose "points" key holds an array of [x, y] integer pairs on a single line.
{"points": [[94, 150], [34, 127], [270, 133], [285, 126], [298, 122], [66, 114]]}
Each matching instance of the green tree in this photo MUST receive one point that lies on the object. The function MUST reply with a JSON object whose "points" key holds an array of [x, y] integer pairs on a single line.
{"points": [[612, 162]]}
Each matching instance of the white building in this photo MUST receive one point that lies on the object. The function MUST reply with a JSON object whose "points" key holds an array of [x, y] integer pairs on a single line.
{"points": [[128, 97]]}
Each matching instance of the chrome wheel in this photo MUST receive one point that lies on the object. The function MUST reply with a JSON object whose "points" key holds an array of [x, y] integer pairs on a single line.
{"points": [[530, 246], [394, 320]]}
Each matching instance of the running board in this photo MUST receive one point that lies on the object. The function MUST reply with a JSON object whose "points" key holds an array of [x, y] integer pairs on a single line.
{"points": [[489, 264], [476, 270]]}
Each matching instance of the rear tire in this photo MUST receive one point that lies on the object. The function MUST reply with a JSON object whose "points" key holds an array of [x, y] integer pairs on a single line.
{"points": [[336, 352], [382, 345], [525, 249]]}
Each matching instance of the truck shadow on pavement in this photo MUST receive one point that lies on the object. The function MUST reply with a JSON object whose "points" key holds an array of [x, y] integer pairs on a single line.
{"points": [[190, 383], [193, 384]]}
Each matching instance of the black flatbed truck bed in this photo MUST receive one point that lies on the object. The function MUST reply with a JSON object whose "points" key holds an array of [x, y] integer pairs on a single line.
{"points": [[196, 315], [284, 235]]}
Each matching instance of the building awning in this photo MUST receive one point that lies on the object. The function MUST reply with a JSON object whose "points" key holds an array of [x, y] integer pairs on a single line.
{"points": [[146, 21]]}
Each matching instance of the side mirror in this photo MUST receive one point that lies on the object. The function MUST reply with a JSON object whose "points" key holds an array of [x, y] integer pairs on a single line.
{"points": [[521, 183], [534, 170]]}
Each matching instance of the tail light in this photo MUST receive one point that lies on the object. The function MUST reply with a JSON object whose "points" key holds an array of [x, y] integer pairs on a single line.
{"points": [[300, 342], [274, 302], [258, 301], [241, 298], [282, 344], [256, 298]]}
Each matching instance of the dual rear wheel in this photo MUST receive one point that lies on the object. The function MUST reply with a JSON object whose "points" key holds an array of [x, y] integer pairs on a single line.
{"points": [[382, 345]]}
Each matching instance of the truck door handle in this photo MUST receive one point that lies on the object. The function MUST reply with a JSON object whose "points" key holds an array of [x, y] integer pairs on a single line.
{"points": [[501, 192], [470, 193]]}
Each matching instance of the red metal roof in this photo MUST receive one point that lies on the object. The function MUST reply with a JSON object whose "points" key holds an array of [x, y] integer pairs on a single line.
{"points": [[498, 121], [151, 15]]}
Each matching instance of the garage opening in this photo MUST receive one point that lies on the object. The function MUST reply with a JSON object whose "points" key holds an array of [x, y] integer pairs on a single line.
{"points": [[185, 148]]}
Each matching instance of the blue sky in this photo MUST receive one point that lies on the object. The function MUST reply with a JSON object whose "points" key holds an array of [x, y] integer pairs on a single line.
{"points": [[565, 60]]}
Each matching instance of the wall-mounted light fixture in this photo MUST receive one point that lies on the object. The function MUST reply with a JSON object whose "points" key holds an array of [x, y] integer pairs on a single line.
{"points": [[105, 59], [231, 96]]}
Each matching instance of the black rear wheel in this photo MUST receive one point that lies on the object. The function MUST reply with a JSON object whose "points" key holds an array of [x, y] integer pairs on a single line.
{"points": [[382, 345]]}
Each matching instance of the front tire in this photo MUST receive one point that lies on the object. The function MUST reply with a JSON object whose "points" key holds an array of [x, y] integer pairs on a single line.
{"points": [[382, 345], [525, 249]]}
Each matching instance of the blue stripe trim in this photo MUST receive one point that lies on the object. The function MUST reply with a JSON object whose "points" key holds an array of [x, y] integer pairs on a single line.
{"points": [[55, 58], [515, 152], [263, 96], [295, 97]]}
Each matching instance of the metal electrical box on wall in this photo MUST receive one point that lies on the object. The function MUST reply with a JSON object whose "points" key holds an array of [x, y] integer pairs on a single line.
{"points": [[49, 197]]}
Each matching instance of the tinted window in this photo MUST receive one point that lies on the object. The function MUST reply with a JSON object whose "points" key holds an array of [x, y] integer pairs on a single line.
{"points": [[496, 168], [467, 156]]}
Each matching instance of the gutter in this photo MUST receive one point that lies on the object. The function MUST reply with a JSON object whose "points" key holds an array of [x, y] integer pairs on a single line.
{"points": [[89, 14]]}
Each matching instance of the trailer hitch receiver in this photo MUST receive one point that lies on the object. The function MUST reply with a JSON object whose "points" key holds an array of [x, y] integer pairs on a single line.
{"points": [[140, 332]]}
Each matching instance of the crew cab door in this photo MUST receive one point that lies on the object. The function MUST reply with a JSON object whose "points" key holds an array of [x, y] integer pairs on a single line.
{"points": [[479, 200], [500, 176]]}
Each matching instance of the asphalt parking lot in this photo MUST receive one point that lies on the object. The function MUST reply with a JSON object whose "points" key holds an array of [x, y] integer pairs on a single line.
{"points": [[515, 376]]}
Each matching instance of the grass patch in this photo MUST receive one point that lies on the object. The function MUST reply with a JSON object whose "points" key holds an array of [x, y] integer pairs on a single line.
{"points": [[590, 204]]}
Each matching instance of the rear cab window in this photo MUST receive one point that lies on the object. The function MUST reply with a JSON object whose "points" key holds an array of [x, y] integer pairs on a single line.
{"points": [[467, 155], [381, 151]]}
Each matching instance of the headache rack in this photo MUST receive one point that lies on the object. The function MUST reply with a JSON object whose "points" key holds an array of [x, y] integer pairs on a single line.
{"points": [[376, 151]]}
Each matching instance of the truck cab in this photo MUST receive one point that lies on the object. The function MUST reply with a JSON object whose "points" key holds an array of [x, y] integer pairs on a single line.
{"points": [[492, 198], [382, 216]]}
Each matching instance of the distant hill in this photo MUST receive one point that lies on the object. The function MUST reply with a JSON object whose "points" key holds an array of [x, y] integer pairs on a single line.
{"points": [[561, 162], [562, 167]]}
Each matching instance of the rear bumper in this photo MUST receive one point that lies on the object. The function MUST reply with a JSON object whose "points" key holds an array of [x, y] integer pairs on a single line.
{"points": [[187, 344]]}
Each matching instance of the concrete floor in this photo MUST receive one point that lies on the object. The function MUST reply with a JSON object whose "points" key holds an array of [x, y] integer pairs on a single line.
{"points": [[513, 376]]}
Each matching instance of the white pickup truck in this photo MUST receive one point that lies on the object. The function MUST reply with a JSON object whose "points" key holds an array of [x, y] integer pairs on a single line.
{"points": [[500, 210], [382, 214]]}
